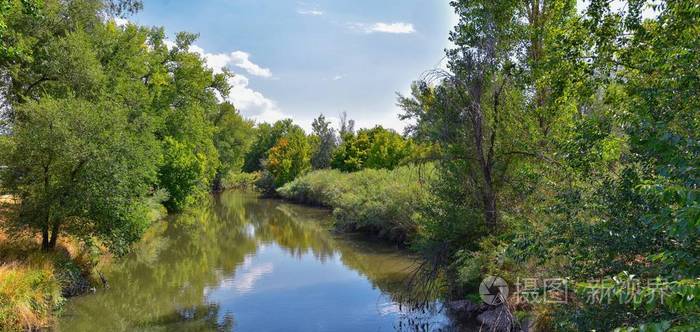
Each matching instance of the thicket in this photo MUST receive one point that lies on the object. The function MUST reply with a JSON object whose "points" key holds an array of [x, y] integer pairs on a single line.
{"points": [[381, 202], [569, 149]]}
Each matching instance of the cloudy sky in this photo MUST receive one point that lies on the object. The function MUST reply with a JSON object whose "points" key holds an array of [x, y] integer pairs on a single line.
{"points": [[298, 59]]}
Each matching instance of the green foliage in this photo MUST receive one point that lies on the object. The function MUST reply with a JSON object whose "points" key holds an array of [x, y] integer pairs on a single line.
{"points": [[170, 131], [289, 157], [572, 139], [381, 202], [79, 167], [266, 137], [324, 143], [371, 148], [232, 140], [239, 180], [11, 45], [181, 173]]}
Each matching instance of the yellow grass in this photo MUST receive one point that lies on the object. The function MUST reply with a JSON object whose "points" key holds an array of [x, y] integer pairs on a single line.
{"points": [[30, 289], [29, 294]]}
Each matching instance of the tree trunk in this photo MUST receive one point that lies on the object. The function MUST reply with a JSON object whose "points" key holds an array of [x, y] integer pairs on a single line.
{"points": [[490, 211], [45, 238], [54, 235]]}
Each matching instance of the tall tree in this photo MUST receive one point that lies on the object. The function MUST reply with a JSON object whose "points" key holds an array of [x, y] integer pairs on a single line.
{"points": [[371, 148], [346, 126], [232, 140], [327, 142], [266, 137]]}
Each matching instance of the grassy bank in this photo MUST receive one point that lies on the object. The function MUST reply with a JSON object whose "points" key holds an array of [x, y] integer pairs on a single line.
{"points": [[34, 284], [381, 202]]}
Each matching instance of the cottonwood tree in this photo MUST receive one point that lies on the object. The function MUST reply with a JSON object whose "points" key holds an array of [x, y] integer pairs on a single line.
{"points": [[79, 168]]}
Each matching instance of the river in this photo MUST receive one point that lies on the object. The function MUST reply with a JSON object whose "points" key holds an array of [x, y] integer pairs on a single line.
{"points": [[240, 263]]}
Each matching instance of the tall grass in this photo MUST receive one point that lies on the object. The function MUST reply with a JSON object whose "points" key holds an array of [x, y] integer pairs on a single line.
{"points": [[382, 202], [33, 283], [29, 294]]}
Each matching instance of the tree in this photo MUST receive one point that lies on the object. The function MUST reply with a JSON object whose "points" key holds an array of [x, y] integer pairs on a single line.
{"points": [[71, 51], [371, 148], [79, 168], [266, 137], [347, 126], [11, 45], [325, 145], [289, 157], [232, 140]]}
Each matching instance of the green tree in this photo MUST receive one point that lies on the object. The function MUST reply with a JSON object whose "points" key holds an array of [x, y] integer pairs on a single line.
{"points": [[232, 140], [266, 137], [371, 148], [289, 157], [326, 143], [79, 168], [11, 44]]}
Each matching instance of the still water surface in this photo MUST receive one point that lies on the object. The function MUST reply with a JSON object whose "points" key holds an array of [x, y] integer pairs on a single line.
{"points": [[245, 264]]}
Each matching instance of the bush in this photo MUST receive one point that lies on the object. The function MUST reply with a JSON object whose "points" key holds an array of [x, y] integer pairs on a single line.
{"points": [[382, 202]]}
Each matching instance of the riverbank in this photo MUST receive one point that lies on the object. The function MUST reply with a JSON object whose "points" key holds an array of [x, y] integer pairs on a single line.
{"points": [[379, 202], [34, 284]]}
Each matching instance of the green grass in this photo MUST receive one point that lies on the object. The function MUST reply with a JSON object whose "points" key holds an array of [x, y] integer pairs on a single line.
{"points": [[28, 296], [32, 282], [30, 290], [382, 202]]}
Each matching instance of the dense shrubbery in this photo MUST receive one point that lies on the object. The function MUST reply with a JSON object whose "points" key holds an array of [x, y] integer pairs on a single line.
{"points": [[568, 148], [371, 148], [379, 201], [283, 152], [563, 143]]}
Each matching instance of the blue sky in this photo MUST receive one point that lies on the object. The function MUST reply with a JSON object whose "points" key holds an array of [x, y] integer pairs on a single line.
{"points": [[300, 58]]}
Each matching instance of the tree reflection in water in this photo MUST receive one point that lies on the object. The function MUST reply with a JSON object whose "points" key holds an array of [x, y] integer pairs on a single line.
{"points": [[169, 281]]}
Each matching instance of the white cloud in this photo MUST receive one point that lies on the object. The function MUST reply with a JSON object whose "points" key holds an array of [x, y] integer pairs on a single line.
{"points": [[245, 282], [312, 12], [381, 27], [398, 27], [120, 22], [338, 77], [252, 104], [241, 59]]}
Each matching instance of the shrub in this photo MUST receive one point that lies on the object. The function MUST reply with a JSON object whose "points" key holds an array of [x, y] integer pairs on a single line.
{"points": [[383, 202]]}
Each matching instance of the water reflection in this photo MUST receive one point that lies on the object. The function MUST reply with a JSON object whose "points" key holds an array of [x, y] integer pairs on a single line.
{"points": [[244, 264]]}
